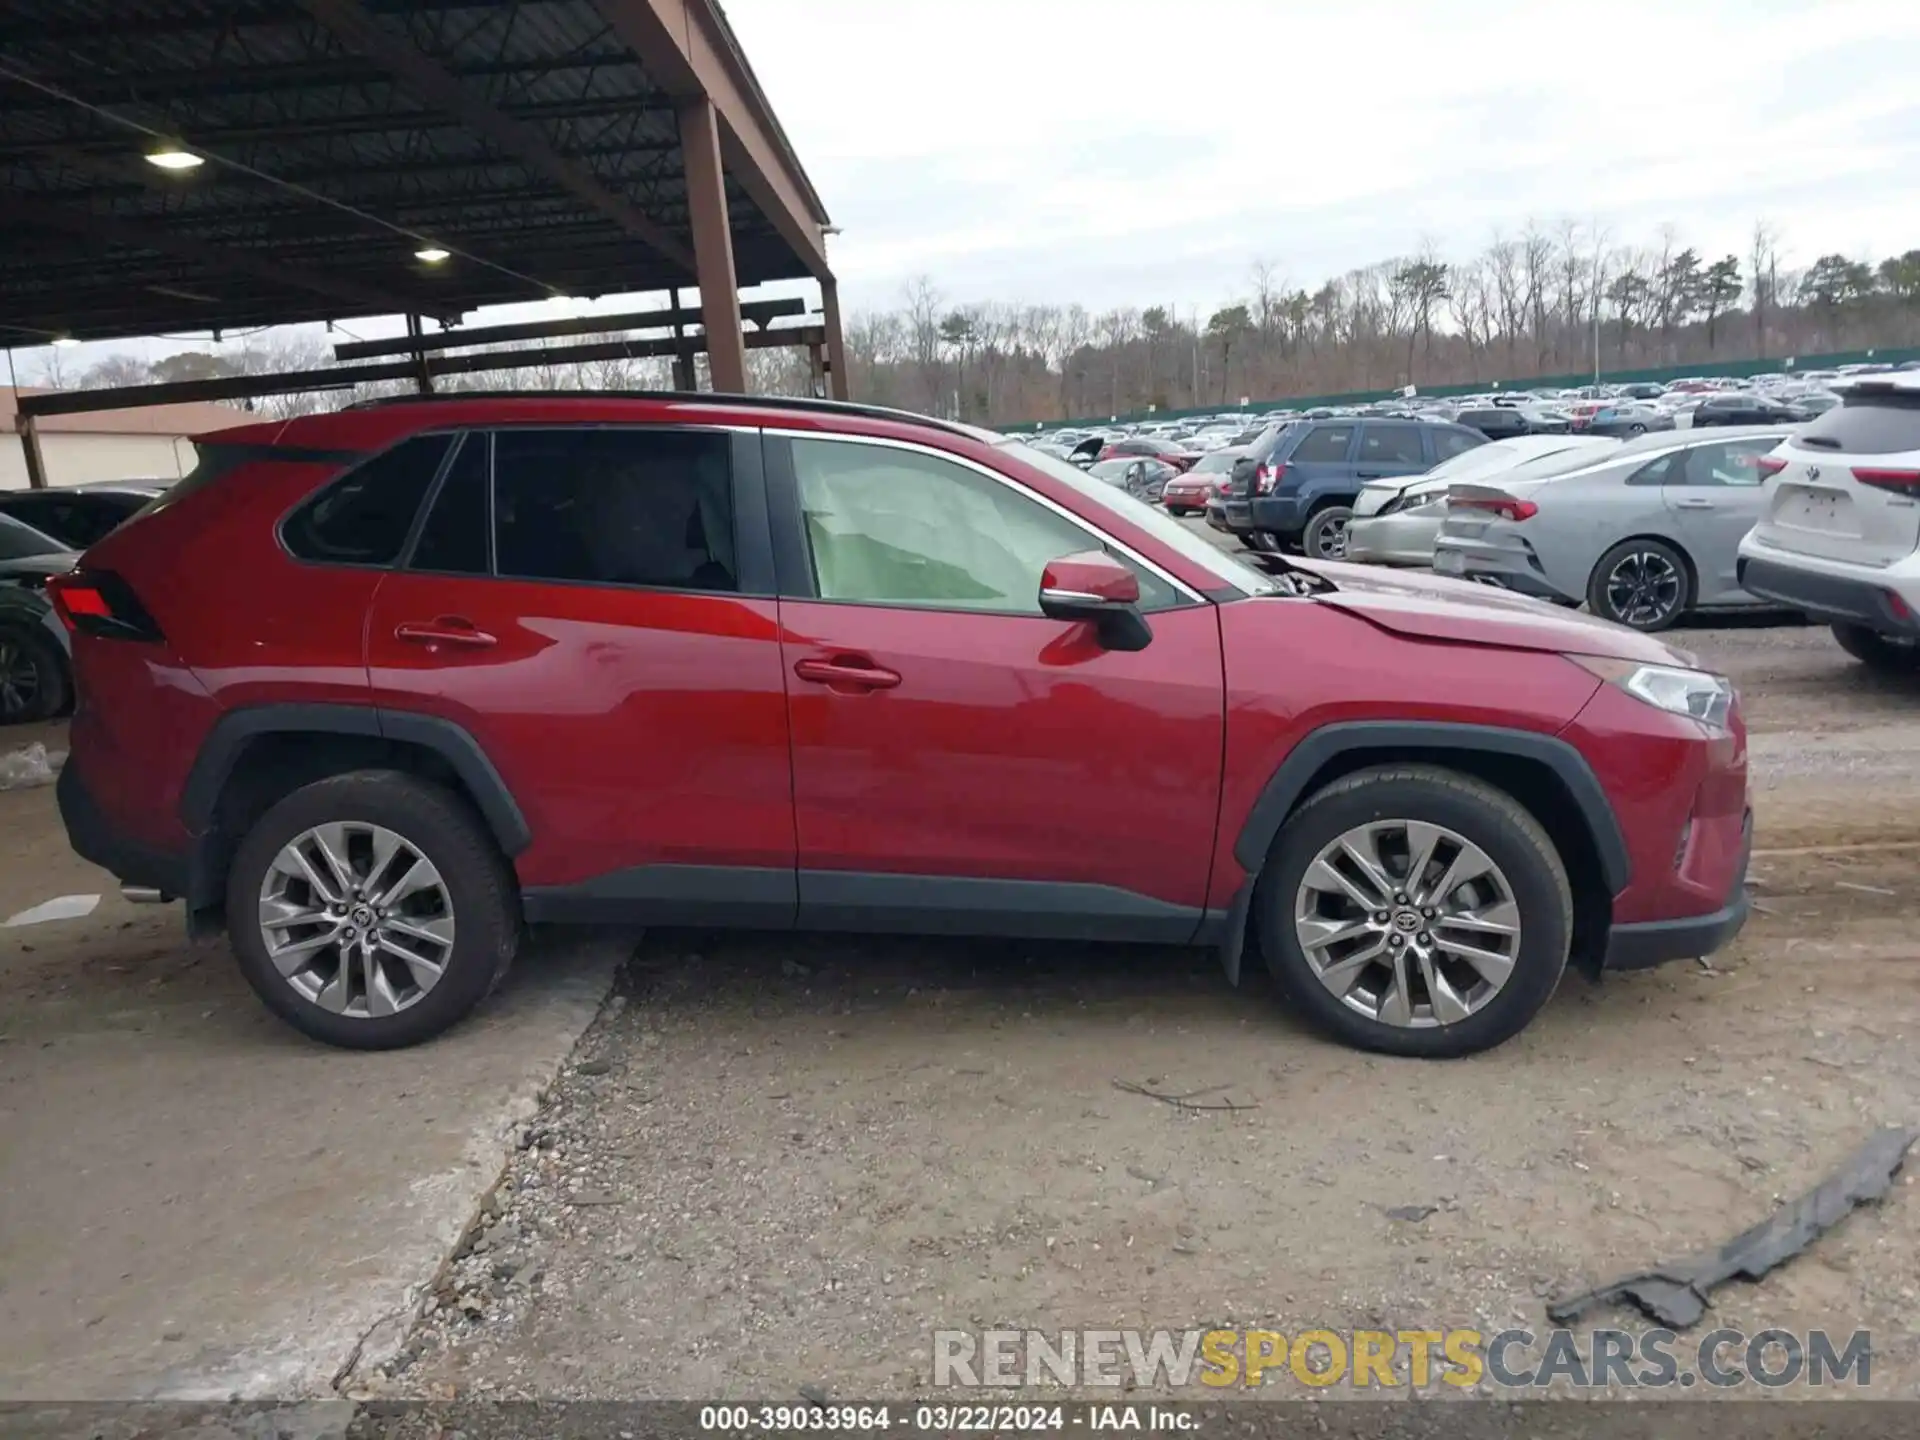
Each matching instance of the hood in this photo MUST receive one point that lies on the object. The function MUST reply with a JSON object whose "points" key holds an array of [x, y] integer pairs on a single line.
{"points": [[1428, 607], [38, 567]]}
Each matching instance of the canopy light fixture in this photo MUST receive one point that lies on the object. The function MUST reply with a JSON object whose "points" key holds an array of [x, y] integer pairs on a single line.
{"points": [[65, 342], [172, 157], [432, 254]]}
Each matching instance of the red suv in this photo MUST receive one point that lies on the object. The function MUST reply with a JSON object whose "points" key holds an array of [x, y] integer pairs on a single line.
{"points": [[375, 689]]}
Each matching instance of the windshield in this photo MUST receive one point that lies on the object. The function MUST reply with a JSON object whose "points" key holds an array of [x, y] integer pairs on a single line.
{"points": [[1160, 525], [21, 542], [1220, 462]]}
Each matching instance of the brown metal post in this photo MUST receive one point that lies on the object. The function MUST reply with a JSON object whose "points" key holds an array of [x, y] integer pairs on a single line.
{"points": [[713, 246], [836, 341], [422, 376], [683, 372], [36, 462]]}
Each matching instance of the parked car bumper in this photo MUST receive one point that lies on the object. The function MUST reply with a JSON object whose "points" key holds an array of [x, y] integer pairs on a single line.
{"points": [[1404, 538], [1175, 497], [1507, 561], [1829, 591]]}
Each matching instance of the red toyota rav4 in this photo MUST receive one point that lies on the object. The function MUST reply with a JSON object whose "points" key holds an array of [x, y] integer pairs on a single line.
{"points": [[377, 688]]}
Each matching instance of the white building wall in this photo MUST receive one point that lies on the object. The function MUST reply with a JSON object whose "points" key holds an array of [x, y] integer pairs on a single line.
{"points": [[73, 459]]}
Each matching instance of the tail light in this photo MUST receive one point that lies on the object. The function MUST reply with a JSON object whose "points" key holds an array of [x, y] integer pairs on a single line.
{"points": [[1770, 465], [98, 602], [1267, 477], [1901, 482], [1505, 507]]}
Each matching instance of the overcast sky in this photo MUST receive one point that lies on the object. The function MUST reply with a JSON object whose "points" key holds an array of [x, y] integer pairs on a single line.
{"points": [[1141, 152], [1148, 151]]}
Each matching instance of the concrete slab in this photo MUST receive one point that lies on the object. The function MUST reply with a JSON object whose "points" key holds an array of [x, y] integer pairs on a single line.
{"points": [[198, 1202]]}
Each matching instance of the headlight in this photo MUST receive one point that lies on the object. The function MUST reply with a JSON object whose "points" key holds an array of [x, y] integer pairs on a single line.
{"points": [[1421, 502], [1695, 694]]}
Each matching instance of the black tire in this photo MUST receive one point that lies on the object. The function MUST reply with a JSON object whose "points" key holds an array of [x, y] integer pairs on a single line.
{"points": [[1636, 429], [1482, 814], [1667, 581], [1326, 527], [1261, 541], [1878, 652], [484, 900], [34, 682]]}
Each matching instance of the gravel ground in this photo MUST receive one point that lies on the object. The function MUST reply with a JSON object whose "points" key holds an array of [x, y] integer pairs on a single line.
{"points": [[775, 1166]]}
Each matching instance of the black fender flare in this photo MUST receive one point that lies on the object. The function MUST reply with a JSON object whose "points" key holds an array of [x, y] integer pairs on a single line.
{"points": [[1290, 779], [220, 751]]}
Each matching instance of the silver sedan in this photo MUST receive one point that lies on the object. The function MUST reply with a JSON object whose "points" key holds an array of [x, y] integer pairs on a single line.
{"points": [[1642, 536], [1396, 521]]}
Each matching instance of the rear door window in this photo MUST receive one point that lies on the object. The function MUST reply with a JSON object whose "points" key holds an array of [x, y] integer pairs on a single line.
{"points": [[615, 507], [1882, 424], [1392, 445], [457, 538], [1735, 463], [1323, 445]]}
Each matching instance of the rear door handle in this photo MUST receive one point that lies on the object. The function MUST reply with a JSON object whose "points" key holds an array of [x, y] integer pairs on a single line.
{"points": [[447, 630], [847, 673]]}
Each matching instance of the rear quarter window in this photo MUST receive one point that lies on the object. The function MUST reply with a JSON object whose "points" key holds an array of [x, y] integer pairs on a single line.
{"points": [[1872, 424], [365, 516]]}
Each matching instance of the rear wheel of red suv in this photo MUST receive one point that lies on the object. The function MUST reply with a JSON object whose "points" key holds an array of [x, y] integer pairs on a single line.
{"points": [[1416, 911], [371, 910]]}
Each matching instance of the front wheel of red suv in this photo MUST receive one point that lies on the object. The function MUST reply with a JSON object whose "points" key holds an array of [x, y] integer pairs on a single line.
{"points": [[372, 910], [1415, 911]]}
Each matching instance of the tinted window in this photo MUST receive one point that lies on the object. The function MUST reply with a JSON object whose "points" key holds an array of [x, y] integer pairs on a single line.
{"points": [[1867, 425], [1735, 463], [454, 539], [897, 527], [364, 517], [614, 507], [1392, 445], [1668, 469], [1323, 444], [1449, 443]]}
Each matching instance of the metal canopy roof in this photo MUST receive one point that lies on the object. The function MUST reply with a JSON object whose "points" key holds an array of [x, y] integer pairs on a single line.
{"points": [[535, 139]]}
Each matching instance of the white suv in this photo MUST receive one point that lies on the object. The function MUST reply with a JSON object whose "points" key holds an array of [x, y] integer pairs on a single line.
{"points": [[1840, 538]]}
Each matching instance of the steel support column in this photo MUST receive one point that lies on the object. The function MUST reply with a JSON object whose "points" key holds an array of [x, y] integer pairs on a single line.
{"points": [[684, 375], [836, 341], [36, 462], [713, 247]]}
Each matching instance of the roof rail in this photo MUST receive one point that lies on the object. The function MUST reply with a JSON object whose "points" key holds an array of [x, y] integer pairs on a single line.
{"points": [[699, 397]]}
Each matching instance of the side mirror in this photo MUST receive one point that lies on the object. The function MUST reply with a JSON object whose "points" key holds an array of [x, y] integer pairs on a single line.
{"points": [[1093, 586]]}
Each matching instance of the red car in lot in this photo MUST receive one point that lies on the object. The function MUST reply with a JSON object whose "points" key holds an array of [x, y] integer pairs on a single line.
{"points": [[374, 689]]}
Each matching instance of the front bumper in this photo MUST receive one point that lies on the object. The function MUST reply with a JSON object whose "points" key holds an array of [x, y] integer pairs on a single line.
{"points": [[1832, 599], [1655, 942]]}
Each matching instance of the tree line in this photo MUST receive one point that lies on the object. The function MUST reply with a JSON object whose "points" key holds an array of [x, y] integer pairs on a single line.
{"points": [[1535, 303]]}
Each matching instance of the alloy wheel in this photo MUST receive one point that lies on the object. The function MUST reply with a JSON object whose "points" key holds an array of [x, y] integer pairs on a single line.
{"points": [[1408, 923], [356, 919], [1330, 538], [1643, 588], [19, 680]]}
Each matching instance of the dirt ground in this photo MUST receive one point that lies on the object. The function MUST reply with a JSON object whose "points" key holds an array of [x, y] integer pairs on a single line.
{"points": [[776, 1167]]}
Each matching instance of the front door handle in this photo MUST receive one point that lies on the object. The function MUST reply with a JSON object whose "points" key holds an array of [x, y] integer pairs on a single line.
{"points": [[447, 630], [1695, 503], [847, 673]]}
